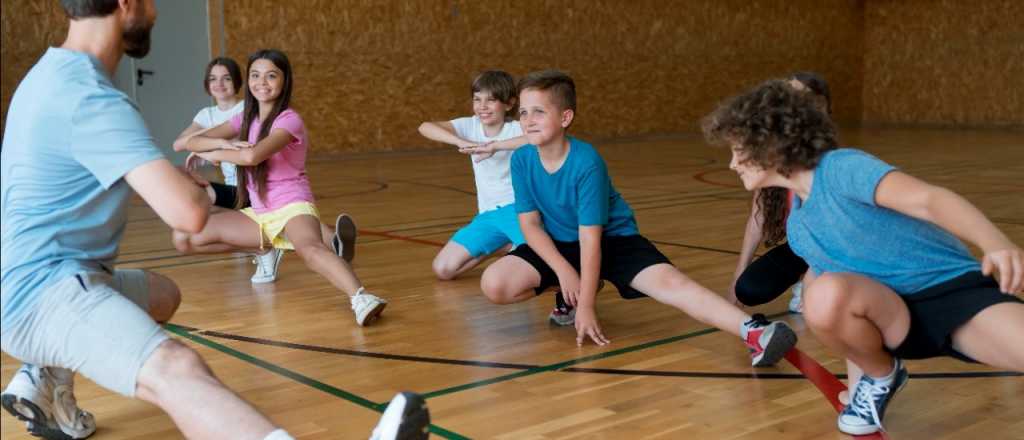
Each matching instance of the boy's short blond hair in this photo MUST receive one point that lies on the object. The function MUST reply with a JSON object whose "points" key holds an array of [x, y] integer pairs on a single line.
{"points": [[561, 87]]}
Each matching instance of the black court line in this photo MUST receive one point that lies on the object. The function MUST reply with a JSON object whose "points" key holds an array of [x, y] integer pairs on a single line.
{"points": [[297, 377], [346, 352], [611, 371], [189, 263], [700, 248], [434, 185]]}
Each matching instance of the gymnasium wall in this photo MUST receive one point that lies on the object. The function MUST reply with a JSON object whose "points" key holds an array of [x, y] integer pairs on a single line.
{"points": [[944, 62], [27, 28], [369, 71]]}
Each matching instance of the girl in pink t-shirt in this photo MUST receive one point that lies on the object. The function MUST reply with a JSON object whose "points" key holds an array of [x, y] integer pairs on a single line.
{"points": [[272, 168]]}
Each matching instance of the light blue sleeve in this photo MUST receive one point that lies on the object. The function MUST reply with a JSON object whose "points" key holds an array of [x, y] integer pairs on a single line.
{"points": [[855, 174], [521, 182], [109, 137], [592, 195]]}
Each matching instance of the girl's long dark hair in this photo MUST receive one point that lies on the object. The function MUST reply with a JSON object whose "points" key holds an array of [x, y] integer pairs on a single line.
{"points": [[258, 173], [771, 204]]}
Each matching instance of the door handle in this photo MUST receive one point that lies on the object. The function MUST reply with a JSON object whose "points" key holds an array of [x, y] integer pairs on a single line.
{"points": [[140, 75]]}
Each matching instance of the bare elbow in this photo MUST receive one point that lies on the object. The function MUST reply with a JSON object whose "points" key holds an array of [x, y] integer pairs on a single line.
{"points": [[423, 128]]}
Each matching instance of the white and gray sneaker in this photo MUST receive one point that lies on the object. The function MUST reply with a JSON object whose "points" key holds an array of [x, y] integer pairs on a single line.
{"points": [[406, 418], [45, 399], [796, 303], [367, 306], [266, 266], [345, 237]]}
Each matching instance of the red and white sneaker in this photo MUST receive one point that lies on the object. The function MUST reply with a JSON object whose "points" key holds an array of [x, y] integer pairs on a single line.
{"points": [[768, 341]]}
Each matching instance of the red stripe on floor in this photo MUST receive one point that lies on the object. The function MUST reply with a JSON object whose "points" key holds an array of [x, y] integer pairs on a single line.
{"points": [[826, 382]]}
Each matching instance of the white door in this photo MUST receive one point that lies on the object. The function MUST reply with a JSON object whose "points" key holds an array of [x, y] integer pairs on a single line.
{"points": [[168, 83]]}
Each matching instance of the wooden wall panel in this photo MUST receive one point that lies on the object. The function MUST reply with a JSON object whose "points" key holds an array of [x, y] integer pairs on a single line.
{"points": [[368, 72], [944, 62], [27, 29]]}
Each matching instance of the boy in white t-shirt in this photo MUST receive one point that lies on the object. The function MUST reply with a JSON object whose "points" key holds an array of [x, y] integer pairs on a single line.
{"points": [[489, 136]]}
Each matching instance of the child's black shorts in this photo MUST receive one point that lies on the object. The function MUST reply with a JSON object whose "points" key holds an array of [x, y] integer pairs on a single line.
{"points": [[622, 258], [226, 195], [938, 311]]}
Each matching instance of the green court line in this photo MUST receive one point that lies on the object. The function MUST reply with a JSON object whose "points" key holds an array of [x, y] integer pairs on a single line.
{"points": [[305, 380], [560, 365]]}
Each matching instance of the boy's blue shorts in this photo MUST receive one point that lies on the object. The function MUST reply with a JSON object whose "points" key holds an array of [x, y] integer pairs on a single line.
{"points": [[490, 230]]}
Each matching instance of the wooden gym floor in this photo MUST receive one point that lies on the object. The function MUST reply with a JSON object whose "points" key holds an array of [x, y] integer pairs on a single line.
{"points": [[293, 349]]}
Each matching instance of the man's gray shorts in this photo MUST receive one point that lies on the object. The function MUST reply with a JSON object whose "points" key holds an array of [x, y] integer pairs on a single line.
{"points": [[92, 323]]}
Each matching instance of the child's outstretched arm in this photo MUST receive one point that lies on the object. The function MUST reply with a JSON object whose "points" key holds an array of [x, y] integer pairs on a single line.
{"points": [[444, 131], [908, 195], [274, 142], [590, 274], [751, 239], [193, 129]]}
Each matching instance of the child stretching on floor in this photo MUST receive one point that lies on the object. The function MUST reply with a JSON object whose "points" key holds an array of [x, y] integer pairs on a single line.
{"points": [[892, 280], [579, 229], [272, 170], [490, 136]]}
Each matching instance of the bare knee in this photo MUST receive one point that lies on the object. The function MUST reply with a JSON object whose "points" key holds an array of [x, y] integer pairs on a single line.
{"points": [[825, 300], [444, 269], [164, 297], [170, 365], [496, 288], [311, 252]]}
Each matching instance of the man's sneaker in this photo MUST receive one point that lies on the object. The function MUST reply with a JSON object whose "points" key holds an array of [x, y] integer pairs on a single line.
{"points": [[768, 341], [863, 415], [266, 266], [406, 418], [367, 306], [796, 303], [45, 399], [345, 237], [564, 314]]}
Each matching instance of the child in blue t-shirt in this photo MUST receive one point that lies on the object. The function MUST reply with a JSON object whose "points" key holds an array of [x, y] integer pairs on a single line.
{"points": [[579, 229], [892, 279]]}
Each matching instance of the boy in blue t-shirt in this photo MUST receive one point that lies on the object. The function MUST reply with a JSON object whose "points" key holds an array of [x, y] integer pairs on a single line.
{"points": [[579, 229], [892, 279]]}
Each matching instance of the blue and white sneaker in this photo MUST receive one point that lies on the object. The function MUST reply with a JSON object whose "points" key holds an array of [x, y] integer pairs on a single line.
{"points": [[863, 415]]}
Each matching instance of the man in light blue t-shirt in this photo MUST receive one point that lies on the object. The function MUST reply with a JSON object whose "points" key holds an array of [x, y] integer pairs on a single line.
{"points": [[74, 149]]}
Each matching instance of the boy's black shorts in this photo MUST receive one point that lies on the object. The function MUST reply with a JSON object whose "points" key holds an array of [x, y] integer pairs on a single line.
{"points": [[622, 258], [226, 195], [938, 311]]}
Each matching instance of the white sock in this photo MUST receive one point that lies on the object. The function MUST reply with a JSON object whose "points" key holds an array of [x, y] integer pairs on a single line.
{"points": [[278, 434], [744, 327], [359, 292], [888, 378]]}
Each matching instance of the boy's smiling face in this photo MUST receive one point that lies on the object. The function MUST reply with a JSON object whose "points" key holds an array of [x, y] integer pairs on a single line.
{"points": [[543, 121], [489, 109]]}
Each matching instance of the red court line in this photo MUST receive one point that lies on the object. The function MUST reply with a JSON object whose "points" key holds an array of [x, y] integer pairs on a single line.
{"points": [[700, 178], [826, 382], [401, 238]]}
